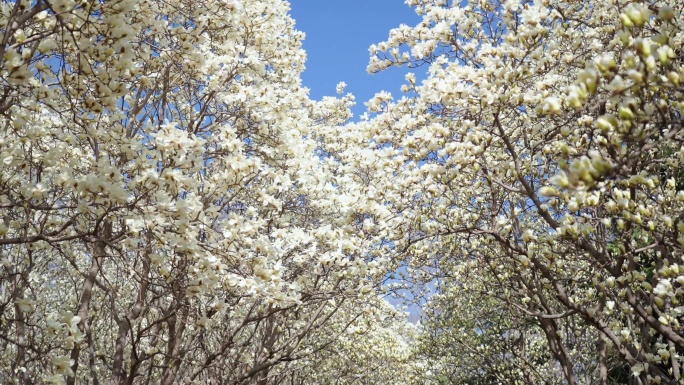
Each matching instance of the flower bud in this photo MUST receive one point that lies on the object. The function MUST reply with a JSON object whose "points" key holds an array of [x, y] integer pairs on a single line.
{"points": [[625, 113], [666, 13], [637, 14], [607, 122], [665, 53], [590, 78], [673, 77]]}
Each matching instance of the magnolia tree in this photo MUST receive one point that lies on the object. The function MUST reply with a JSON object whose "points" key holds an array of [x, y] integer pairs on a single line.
{"points": [[376, 348], [166, 213], [472, 336], [537, 169]]}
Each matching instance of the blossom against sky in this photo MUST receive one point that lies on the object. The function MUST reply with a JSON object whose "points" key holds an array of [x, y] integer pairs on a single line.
{"points": [[338, 34]]}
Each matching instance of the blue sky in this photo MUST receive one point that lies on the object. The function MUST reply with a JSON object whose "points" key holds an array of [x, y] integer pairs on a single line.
{"points": [[338, 34]]}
